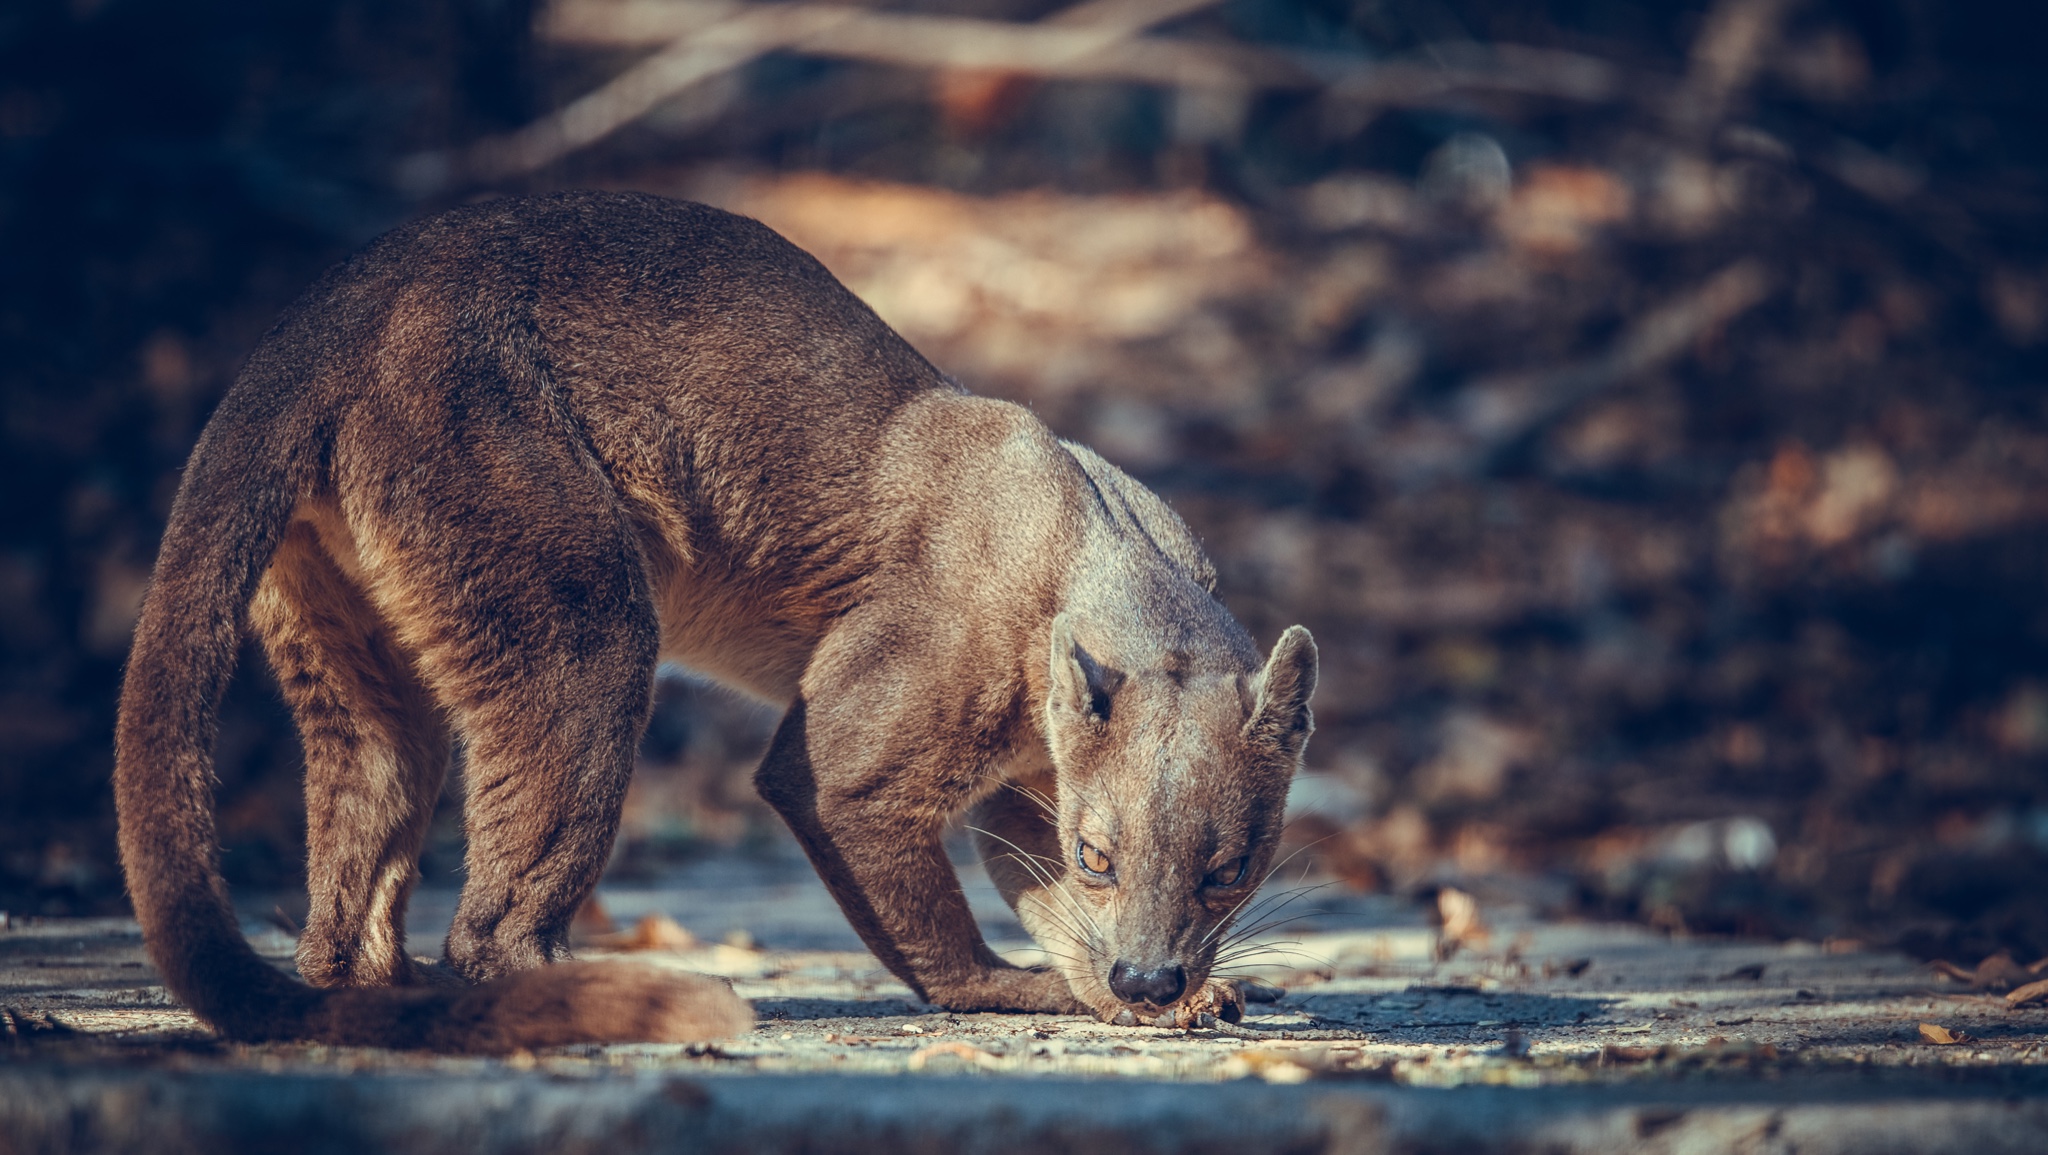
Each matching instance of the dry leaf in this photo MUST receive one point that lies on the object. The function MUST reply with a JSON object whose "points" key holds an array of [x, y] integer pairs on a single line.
{"points": [[1557, 208], [1462, 925], [592, 920], [654, 932], [1285, 1068], [1995, 973], [2031, 993], [1941, 1036], [958, 1050], [977, 101]]}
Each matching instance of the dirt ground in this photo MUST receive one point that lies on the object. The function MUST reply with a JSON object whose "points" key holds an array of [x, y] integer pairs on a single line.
{"points": [[1534, 1035]]}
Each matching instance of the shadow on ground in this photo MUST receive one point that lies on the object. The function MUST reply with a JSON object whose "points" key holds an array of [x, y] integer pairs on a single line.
{"points": [[1432, 1008], [803, 1010]]}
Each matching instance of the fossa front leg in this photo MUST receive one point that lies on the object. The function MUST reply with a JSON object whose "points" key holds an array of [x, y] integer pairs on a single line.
{"points": [[873, 831]]}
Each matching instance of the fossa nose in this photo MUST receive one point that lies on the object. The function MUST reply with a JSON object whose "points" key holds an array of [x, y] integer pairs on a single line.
{"points": [[1159, 986]]}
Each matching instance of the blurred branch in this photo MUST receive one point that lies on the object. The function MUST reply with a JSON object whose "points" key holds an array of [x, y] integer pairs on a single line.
{"points": [[1067, 44], [1498, 410], [1450, 69], [1733, 42], [711, 45], [705, 38], [637, 23], [1097, 39], [1125, 17]]}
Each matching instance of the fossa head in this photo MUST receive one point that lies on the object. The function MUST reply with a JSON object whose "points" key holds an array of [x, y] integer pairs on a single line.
{"points": [[1173, 770]]}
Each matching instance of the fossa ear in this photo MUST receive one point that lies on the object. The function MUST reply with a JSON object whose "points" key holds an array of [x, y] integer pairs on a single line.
{"points": [[1079, 682], [1280, 693]]}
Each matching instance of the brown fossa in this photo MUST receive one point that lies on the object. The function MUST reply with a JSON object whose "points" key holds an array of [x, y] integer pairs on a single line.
{"points": [[485, 475]]}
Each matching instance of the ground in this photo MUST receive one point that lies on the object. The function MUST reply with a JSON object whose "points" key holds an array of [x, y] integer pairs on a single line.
{"points": [[1542, 1035]]}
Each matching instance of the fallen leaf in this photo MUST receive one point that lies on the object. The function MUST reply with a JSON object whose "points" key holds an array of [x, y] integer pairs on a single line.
{"points": [[592, 920], [1941, 1036], [976, 101], [654, 932], [1996, 973], [953, 1047], [2031, 993], [1557, 207], [1462, 925], [1276, 1067]]}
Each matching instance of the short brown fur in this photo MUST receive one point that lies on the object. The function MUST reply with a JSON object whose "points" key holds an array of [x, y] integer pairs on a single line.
{"points": [[488, 473]]}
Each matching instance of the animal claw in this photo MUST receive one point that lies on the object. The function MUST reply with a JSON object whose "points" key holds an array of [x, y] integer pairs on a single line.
{"points": [[1218, 999]]}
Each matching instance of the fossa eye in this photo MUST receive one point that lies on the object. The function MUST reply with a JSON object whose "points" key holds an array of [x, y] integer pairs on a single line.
{"points": [[1229, 874], [1092, 860]]}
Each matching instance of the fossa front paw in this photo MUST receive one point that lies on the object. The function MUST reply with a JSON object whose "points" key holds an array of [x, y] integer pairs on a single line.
{"points": [[1221, 998], [1012, 989], [1218, 1000]]}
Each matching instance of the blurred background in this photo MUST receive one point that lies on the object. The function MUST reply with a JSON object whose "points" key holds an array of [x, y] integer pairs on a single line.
{"points": [[1642, 402]]}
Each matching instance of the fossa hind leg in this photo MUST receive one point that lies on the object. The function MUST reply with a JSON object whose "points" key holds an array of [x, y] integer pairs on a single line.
{"points": [[546, 767], [527, 599], [376, 752], [549, 748]]}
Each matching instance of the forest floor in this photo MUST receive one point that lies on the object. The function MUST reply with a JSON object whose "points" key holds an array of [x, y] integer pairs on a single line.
{"points": [[1534, 1035]]}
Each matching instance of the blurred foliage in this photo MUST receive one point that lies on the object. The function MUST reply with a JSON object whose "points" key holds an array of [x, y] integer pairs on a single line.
{"points": [[1662, 469], [170, 175]]}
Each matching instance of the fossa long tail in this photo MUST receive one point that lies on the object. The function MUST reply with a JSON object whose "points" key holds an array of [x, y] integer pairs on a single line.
{"points": [[232, 510]]}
